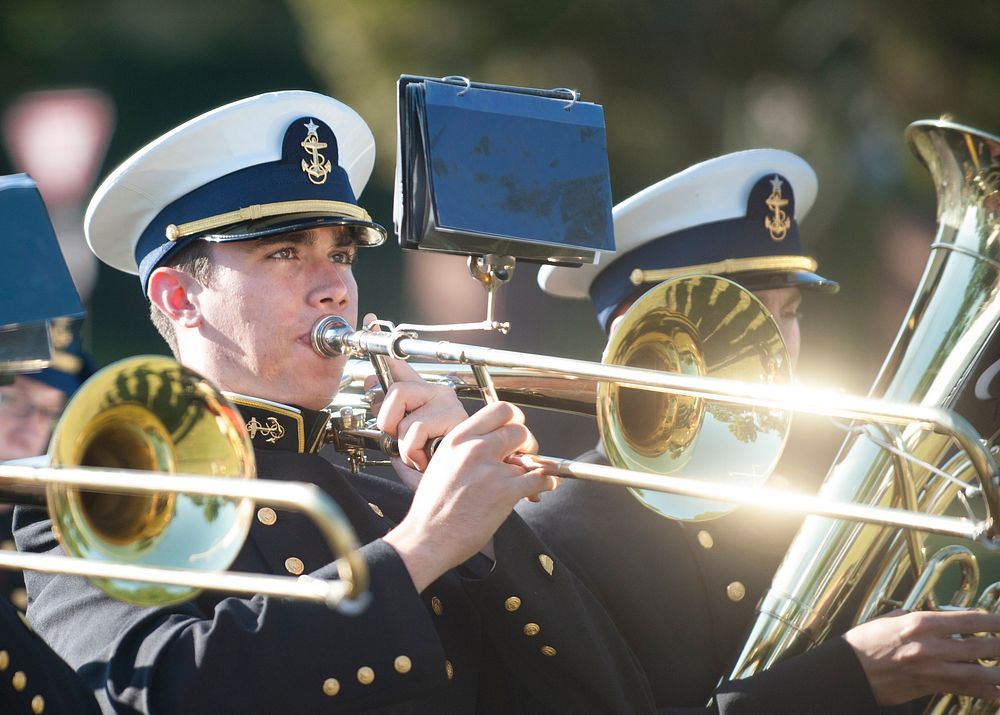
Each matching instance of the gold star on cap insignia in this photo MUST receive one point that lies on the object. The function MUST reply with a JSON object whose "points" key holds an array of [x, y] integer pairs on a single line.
{"points": [[318, 167], [779, 223]]}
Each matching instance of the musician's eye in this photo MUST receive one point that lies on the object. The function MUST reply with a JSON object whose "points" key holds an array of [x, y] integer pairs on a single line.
{"points": [[347, 257], [285, 253], [794, 313]]}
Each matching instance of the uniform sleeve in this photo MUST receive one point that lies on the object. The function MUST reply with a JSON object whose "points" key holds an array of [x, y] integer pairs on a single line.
{"points": [[178, 659], [552, 633], [826, 680], [34, 679]]}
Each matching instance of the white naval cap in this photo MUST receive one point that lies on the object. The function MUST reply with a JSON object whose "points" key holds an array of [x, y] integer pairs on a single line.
{"points": [[274, 162], [743, 206]]}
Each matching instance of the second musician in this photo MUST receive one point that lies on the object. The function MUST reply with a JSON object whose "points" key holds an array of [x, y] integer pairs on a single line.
{"points": [[683, 594]]}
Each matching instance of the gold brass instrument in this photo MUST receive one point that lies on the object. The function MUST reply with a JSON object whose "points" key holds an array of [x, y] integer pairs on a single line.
{"points": [[127, 501], [333, 337], [946, 355]]}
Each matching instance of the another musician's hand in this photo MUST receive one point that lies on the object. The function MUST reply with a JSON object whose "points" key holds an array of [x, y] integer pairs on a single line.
{"points": [[466, 492], [909, 655]]}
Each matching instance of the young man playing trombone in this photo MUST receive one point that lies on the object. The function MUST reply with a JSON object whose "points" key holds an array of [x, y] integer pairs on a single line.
{"points": [[684, 593], [243, 226]]}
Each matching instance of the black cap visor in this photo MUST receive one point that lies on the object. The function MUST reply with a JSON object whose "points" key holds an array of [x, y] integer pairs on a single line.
{"points": [[765, 280], [363, 233]]}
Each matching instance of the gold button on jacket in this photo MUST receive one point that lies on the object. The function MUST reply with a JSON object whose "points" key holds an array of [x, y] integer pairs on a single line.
{"points": [[366, 676], [736, 591], [266, 516], [294, 565]]}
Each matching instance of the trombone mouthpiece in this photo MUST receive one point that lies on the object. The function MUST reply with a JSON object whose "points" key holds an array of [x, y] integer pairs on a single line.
{"points": [[328, 336]]}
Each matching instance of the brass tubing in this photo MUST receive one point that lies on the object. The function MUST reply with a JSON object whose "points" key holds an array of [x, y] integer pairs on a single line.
{"points": [[763, 497], [332, 337], [306, 498], [305, 588]]}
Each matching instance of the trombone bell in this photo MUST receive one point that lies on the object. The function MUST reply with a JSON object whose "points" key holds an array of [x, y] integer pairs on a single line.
{"points": [[150, 413], [696, 326]]}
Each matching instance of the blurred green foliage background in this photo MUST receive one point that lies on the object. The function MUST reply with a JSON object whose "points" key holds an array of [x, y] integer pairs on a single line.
{"points": [[680, 80]]}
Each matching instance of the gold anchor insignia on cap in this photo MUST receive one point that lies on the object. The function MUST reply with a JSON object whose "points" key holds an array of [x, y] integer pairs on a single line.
{"points": [[272, 431], [318, 168], [778, 224]]}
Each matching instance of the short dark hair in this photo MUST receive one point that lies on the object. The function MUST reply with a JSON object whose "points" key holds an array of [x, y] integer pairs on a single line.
{"points": [[196, 259]]}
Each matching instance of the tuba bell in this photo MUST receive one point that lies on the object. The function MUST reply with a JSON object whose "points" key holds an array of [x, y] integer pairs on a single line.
{"points": [[946, 354]]}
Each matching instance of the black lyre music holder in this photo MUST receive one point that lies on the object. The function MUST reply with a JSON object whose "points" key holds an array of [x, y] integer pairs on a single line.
{"points": [[501, 174]]}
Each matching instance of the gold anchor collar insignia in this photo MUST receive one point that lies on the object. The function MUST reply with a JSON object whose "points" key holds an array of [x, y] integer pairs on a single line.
{"points": [[276, 426], [318, 167], [778, 223], [271, 432]]}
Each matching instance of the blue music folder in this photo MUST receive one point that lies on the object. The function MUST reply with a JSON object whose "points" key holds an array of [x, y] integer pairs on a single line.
{"points": [[36, 284], [504, 170]]}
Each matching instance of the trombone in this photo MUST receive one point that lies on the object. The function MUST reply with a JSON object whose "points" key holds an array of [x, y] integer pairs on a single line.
{"points": [[679, 328], [128, 501]]}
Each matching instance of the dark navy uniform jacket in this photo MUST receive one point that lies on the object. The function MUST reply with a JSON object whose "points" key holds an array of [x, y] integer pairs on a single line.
{"points": [[684, 594], [11, 581], [33, 679], [522, 635]]}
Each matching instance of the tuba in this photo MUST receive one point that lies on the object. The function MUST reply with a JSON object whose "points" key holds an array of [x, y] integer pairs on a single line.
{"points": [[946, 354]]}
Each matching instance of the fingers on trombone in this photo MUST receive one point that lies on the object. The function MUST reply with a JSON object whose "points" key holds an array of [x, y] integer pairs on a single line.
{"points": [[399, 369], [396, 403], [402, 371], [374, 394], [413, 441], [435, 404], [530, 485], [491, 417]]}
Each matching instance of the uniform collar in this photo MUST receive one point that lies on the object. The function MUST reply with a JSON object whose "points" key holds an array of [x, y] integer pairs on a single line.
{"points": [[285, 428]]}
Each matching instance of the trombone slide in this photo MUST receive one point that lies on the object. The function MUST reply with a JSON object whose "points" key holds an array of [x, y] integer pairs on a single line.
{"points": [[348, 593]]}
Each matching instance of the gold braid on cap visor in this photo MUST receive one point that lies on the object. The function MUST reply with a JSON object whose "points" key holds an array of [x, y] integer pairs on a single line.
{"points": [[730, 265], [259, 211]]}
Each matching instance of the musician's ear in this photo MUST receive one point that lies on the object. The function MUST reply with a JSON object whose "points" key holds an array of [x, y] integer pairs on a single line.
{"points": [[175, 294]]}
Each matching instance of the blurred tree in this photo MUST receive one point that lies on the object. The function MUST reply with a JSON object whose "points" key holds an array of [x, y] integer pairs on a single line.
{"points": [[161, 63], [682, 81]]}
